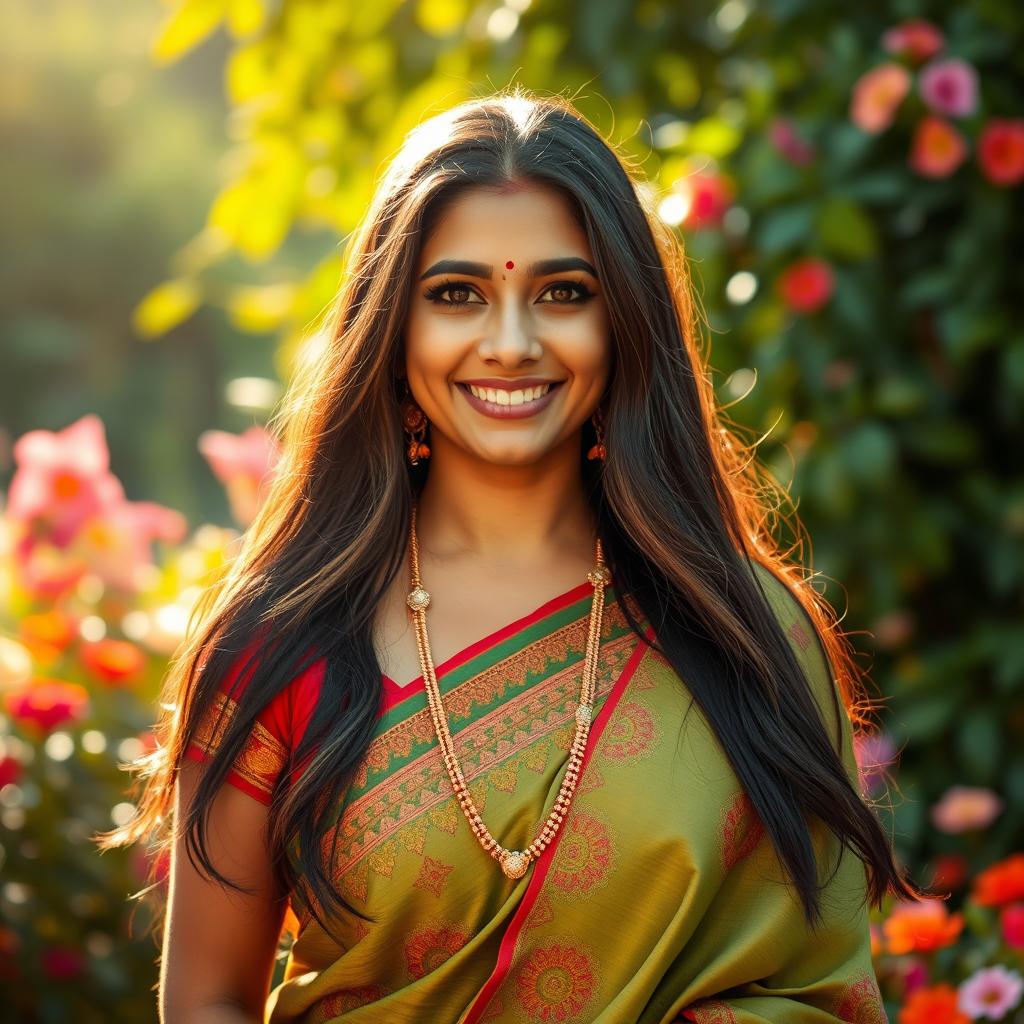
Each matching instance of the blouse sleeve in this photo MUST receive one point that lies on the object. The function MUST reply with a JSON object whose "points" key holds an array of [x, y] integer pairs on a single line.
{"points": [[825, 976], [275, 732]]}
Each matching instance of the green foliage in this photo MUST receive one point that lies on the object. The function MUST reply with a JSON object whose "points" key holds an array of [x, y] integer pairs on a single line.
{"points": [[911, 372]]}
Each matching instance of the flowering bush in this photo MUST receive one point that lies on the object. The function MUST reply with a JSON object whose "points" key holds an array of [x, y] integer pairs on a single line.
{"points": [[935, 966], [88, 619]]}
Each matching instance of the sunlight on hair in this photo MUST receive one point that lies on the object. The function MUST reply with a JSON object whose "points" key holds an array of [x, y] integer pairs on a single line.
{"points": [[674, 208]]}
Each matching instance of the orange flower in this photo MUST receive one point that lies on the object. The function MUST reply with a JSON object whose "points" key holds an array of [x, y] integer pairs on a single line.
{"points": [[877, 96], [51, 630], [938, 148], [877, 945], [115, 662], [1001, 883], [936, 1005], [45, 704], [921, 927]]}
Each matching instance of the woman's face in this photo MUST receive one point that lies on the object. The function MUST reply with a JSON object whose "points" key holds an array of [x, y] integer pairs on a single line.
{"points": [[507, 341]]}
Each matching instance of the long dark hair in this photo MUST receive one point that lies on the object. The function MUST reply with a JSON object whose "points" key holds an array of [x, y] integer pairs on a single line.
{"points": [[683, 510]]}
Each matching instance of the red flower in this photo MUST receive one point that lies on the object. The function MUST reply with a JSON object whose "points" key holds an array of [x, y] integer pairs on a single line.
{"points": [[938, 148], [45, 704], [1001, 151], [917, 40], [1001, 883], [10, 770], [805, 286], [950, 872], [114, 662], [62, 962], [710, 196], [1011, 921]]}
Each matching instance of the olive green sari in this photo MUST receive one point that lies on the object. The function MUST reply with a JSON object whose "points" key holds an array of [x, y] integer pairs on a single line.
{"points": [[661, 898]]}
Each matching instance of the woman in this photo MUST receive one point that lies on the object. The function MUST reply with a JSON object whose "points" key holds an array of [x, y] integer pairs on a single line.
{"points": [[523, 715]]}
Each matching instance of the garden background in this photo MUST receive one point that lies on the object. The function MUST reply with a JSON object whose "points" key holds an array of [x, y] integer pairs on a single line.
{"points": [[177, 184]]}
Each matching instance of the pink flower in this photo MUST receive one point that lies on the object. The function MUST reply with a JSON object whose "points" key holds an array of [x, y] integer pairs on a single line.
{"points": [[805, 286], [789, 143], [966, 808], [950, 87], [874, 753], [62, 479], [877, 96], [990, 992], [1001, 151], [938, 149], [118, 543], [914, 974], [917, 40], [245, 464], [1011, 922]]}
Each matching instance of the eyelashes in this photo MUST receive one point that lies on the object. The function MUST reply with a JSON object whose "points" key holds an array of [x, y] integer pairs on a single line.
{"points": [[434, 293]]}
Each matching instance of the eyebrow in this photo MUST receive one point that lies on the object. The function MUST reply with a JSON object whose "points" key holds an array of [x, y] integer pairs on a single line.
{"points": [[540, 269]]}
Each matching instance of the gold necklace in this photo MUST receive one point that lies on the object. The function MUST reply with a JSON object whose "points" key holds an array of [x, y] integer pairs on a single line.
{"points": [[513, 862]]}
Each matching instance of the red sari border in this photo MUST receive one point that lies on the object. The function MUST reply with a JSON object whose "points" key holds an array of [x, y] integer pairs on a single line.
{"points": [[395, 694], [543, 864]]}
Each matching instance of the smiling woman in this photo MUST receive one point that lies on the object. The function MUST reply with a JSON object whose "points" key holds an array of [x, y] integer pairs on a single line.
{"points": [[522, 713]]}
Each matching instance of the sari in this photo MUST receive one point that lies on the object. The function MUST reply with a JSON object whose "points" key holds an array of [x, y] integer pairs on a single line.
{"points": [[661, 898]]}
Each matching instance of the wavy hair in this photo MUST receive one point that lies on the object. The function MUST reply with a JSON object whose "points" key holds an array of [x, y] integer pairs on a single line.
{"points": [[683, 509]]}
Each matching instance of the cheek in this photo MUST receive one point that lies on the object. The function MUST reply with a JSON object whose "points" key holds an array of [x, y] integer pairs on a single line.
{"points": [[431, 345], [584, 344]]}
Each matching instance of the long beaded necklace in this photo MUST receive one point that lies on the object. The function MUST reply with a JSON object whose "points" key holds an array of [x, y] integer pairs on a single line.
{"points": [[513, 862]]}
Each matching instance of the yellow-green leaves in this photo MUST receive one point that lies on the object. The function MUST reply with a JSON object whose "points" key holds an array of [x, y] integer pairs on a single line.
{"points": [[166, 306]]}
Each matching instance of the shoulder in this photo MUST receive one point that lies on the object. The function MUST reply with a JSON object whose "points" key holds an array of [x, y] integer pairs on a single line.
{"points": [[287, 713]]}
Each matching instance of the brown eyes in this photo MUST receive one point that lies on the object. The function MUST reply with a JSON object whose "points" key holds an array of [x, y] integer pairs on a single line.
{"points": [[564, 293]]}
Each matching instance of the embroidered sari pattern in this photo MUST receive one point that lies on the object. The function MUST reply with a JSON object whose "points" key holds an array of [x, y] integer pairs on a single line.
{"points": [[511, 723], [660, 900]]}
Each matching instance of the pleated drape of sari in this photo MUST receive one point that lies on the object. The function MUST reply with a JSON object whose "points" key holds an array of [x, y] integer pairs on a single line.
{"points": [[660, 900]]}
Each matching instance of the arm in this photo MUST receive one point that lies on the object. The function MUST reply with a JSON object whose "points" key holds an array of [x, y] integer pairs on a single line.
{"points": [[219, 945]]}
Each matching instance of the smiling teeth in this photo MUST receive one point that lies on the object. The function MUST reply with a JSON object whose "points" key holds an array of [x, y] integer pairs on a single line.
{"points": [[502, 397]]}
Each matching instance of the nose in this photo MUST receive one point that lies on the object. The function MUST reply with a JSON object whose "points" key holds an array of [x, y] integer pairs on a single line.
{"points": [[511, 338]]}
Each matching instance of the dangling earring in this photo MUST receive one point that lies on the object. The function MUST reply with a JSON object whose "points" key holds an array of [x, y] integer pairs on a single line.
{"points": [[414, 419], [598, 450]]}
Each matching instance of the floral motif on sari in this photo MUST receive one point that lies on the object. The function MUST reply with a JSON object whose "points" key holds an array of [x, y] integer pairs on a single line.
{"points": [[861, 1001], [557, 981], [740, 830]]}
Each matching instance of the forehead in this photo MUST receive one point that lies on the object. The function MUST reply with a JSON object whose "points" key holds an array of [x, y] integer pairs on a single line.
{"points": [[521, 223]]}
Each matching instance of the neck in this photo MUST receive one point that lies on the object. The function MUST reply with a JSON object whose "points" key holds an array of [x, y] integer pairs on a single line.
{"points": [[505, 517]]}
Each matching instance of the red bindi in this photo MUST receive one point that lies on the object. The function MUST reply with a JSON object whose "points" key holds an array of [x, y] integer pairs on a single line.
{"points": [[509, 265]]}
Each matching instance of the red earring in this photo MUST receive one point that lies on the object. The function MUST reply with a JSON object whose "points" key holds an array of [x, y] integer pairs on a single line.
{"points": [[598, 450], [414, 420]]}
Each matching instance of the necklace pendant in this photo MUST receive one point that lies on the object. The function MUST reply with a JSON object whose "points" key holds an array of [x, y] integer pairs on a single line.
{"points": [[514, 863], [417, 598]]}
